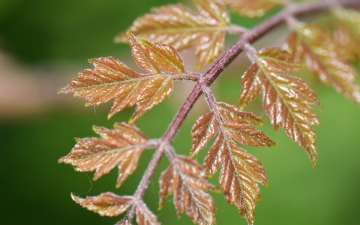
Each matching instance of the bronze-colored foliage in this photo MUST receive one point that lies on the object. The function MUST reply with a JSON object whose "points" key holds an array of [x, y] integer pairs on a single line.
{"points": [[181, 28], [240, 171], [112, 79], [324, 58], [347, 33], [106, 204], [120, 147], [253, 8], [286, 99], [185, 179]]}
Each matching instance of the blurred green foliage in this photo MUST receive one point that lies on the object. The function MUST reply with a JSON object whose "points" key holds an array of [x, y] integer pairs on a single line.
{"points": [[35, 189]]}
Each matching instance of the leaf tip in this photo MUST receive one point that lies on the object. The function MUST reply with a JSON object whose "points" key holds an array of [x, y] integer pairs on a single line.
{"points": [[134, 118], [121, 37], [61, 91], [76, 199], [260, 122], [241, 105], [61, 160], [217, 190], [271, 143], [94, 128], [314, 162]]}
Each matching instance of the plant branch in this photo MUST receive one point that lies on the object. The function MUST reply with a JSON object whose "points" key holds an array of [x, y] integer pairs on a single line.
{"points": [[252, 35]]}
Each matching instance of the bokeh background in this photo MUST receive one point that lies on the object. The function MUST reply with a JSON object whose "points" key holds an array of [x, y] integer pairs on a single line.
{"points": [[43, 44]]}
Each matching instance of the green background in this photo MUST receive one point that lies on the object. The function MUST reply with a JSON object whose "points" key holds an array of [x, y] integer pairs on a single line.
{"points": [[35, 189]]}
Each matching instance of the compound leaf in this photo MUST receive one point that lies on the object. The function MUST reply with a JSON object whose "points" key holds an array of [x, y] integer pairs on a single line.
{"points": [[110, 78], [106, 204], [120, 147], [286, 99], [181, 28], [185, 179], [324, 58]]}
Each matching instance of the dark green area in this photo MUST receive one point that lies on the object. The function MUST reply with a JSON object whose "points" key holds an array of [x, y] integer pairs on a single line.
{"points": [[35, 189], [67, 30]]}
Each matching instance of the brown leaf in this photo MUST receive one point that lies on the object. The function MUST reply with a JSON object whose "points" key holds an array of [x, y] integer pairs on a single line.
{"points": [[121, 146], [253, 8], [239, 175], [106, 204], [286, 99], [144, 216], [324, 58], [110, 78], [184, 178], [181, 28]]}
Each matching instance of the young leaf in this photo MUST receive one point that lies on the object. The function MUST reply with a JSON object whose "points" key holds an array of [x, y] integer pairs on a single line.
{"points": [[240, 170], [324, 58], [106, 204], [177, 26], [184, 178], [286, 99], [112, 79], [253, 8], [121, 146]]}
